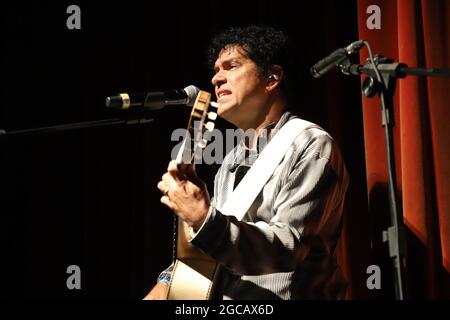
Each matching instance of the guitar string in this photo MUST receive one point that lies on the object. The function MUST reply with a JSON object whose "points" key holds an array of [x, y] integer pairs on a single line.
{"points": [[174, 240]]}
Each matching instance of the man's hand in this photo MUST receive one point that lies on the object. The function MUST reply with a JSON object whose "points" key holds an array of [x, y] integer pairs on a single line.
{"points": [[159, 292], [185, 194]]}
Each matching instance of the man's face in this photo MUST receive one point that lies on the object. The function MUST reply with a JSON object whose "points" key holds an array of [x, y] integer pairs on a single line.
{"points": [[239, 87]]}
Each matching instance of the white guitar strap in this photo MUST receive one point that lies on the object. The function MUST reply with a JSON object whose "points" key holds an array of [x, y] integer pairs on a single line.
{"points": [[255, 179]]}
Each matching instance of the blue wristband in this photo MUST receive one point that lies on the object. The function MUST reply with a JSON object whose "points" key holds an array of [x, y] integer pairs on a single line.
{"points": [[165, 279]]}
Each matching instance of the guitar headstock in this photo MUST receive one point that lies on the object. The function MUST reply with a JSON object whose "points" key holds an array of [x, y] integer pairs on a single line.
{"points": [[201, 123]]}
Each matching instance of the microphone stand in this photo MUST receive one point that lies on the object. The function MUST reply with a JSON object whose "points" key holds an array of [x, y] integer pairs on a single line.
{"points": [[4, 135], [389, 71]]}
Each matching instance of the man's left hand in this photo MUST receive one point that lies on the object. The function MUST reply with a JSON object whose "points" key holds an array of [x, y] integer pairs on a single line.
{"points": [[185, 194]]}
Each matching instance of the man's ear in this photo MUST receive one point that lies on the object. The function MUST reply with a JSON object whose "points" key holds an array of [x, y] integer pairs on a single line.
{"points": [[274, 77]]}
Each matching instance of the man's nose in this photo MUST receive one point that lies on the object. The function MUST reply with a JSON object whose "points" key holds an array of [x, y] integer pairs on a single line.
{"points": [[218, 79]]}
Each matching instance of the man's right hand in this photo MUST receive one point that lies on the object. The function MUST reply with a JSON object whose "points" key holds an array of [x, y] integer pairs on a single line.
{"points": [[159, 292]]}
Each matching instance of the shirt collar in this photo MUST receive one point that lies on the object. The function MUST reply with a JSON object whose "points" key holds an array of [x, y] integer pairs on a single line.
{"points": [[245, 156]]}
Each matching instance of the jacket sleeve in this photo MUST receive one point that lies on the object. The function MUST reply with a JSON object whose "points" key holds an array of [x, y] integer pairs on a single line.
{"points": [[307, 210]]}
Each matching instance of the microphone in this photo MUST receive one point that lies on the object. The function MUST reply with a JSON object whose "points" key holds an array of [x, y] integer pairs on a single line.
{"points": [[335, 58], [153, 100]]}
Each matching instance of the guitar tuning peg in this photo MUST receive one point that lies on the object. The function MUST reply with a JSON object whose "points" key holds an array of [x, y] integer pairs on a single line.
{"points": [[212, 116], [214, 104], [209, 126], [202, 143]]}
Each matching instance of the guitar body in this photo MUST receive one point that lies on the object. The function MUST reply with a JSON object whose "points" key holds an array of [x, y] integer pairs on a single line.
{"points": [[194, 271]]}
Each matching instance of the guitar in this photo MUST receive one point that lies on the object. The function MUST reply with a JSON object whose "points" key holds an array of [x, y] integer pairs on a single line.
{"points": [[194, 271]]}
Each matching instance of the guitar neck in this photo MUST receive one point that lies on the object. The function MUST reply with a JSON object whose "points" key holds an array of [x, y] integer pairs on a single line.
{"points": [[194, 140]]}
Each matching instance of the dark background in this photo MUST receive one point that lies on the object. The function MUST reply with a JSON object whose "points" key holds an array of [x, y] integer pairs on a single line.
{"points": [[88, 197]]}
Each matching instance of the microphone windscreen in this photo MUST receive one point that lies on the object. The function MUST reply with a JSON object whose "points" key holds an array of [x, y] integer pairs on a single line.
{"points": [[191, 92]]}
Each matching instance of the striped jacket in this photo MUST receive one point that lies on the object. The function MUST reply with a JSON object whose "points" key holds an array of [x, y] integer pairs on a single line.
{"points": [[284, 246]]}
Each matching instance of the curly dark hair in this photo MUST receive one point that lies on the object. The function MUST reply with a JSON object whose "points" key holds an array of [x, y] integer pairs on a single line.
{"points": [[264, 45]]}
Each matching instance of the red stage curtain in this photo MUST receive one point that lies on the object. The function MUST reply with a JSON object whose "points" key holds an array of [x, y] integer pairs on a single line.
{"points": [[416, 33]]}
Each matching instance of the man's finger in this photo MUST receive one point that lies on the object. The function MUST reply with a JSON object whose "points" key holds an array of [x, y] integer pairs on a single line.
{"points": [[166, 201], [174, 170], [181, 171], [162, 187], [172, 167], [169, 180]]}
